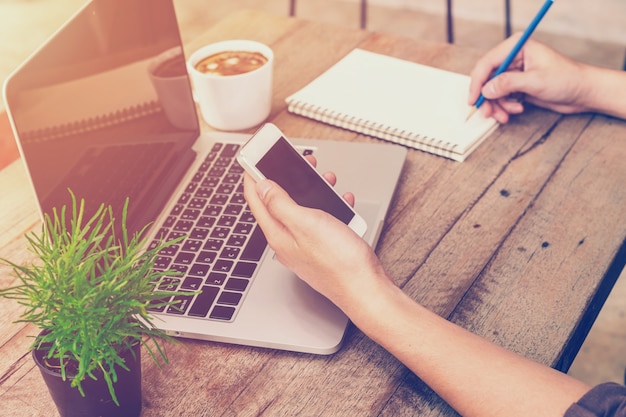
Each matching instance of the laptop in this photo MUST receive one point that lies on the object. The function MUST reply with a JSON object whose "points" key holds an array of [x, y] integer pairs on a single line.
{"points": [[89, 115]]}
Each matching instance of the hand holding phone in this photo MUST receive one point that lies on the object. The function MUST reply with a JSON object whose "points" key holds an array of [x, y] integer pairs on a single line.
{"points": [[269, 155]]}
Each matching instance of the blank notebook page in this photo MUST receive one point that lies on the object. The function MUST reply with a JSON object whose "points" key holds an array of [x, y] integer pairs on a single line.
{"points": [[416, 105]]}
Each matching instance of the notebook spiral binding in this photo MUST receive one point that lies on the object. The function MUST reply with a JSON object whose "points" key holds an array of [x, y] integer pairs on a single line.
{"points": [[373, 129], [93, 123]]}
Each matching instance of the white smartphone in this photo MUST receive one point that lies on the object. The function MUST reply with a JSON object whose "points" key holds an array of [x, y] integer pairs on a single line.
{"points": [[269, 155]]}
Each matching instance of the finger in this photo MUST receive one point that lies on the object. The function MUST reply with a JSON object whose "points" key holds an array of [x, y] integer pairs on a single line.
{"points": [[254, 194], [509, 83], [489, 63], [512, 107], [278, 209], [349, 197], [498, 112], [330, 177], [311, 159]]}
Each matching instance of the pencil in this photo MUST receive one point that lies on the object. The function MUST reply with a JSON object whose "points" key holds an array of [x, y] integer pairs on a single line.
{"points": [[518, 46]]}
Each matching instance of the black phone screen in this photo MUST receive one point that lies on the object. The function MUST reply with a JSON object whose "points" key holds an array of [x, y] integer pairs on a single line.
{"points": [[283, 165]]}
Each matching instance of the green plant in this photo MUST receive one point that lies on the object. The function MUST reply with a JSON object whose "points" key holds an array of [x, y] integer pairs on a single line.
{"points": [[89, 291]]}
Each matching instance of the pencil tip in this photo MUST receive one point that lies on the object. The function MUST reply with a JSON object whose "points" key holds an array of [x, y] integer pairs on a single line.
{"points": [[471, 113]]}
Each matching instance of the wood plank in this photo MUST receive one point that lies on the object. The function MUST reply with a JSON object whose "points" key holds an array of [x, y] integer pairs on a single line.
{"points": [[8, 147], [548, 239], [562, 234], [465, 239], [19, 213]]}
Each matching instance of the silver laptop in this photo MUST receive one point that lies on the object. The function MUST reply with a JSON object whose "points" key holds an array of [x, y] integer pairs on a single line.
{"points": [[89, 114]]}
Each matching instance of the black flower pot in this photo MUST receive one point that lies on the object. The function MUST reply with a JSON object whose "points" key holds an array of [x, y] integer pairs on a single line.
{"points": [[97, 401]]}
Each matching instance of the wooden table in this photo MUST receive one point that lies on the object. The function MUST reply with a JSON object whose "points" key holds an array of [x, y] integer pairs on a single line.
{"points": [[521, 243]]}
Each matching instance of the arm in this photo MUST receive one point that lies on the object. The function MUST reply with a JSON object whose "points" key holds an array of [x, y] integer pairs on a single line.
{"points": [[442, 354], [547, 79]]}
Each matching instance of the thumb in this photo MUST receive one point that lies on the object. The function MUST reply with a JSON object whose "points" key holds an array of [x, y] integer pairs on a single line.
{"points": [[505, 84], [278, 204]]}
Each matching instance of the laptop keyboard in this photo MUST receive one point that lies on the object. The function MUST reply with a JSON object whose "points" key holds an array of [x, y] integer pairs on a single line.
{"points": [[223, 246]]}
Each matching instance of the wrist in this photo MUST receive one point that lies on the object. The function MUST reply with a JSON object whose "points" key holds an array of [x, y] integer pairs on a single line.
{"points": [[604, 90], [383, 312]]}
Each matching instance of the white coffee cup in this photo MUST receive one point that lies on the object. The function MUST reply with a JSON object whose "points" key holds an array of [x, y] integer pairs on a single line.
{"points": [[238, 101]]}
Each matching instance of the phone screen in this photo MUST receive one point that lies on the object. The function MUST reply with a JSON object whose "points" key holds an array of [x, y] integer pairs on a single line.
{"points": [[283, 165]]}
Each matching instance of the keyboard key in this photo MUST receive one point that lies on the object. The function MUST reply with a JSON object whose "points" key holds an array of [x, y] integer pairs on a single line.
{"points": [[222, 242], [207, 257], [162, 262], [230, 298], [199, 270], [175, 235], [181, 306], [191, 283], [233, 209], [223, 266], [204, 192], [154, 244], [210, 182], [190, 214], [230, 150], [156, 305], [183, 226], [213, 244], [212, 210], [237, 284], [244, 269], [191, 245], [216, 172], [197, 203], [255, 247], [225, 189], [222, 313], [229, 253], [185, 258], [243, 228], [238, 198], [236, 240], [216, 278], [180, 268], [184, 198], [199, 233], [247, 217], [219, 199], [169, 251], [222, 162], [191, 187], [220, 232], [235, 168], [232, 178], [169, 221], [168, 284], [204, 301], [227, 221], [206, 221]]}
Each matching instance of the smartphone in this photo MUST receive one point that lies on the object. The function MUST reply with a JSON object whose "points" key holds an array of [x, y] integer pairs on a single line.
{"points": [[269, 155]]}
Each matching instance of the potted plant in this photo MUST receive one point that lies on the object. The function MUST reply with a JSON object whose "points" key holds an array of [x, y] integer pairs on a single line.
{"points": [[89, 291]]}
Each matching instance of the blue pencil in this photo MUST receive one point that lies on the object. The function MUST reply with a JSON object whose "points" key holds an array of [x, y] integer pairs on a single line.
{"points": [[518, 46]]}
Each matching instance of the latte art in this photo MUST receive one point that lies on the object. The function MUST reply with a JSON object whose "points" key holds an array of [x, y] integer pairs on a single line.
{"points": [[231, 63]]}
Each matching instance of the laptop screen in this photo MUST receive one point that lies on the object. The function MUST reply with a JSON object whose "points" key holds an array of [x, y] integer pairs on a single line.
{"points": [[104, 108]]}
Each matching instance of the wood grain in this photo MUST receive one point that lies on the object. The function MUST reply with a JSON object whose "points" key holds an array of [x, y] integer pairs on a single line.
{"points": [[516, 244]]}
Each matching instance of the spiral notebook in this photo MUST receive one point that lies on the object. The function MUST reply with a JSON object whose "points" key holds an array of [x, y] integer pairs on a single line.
{"points": [[415, 105]]}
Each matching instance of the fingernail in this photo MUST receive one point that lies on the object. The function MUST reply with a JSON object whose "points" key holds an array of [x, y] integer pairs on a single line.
{"points": [[489, 89], [262, 188]]}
